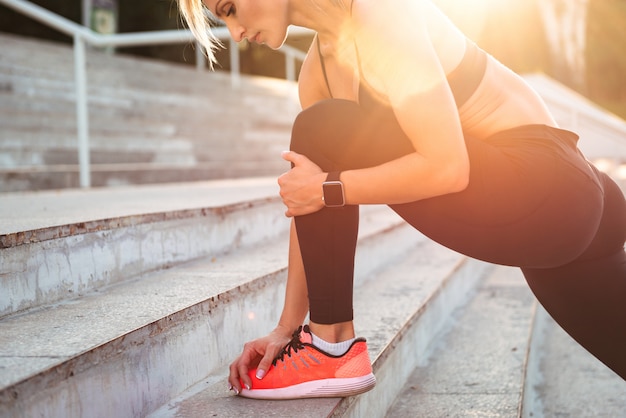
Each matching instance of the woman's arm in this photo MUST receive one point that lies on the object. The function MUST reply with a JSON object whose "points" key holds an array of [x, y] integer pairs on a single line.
{"points": [[296, 295], [397, 60], [261, 352]]}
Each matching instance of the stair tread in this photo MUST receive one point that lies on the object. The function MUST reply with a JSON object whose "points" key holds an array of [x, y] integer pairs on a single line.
{"points": [[398, 292], [478, 367], [593, 390], [68, 329], [33, 211], [59, 332]]}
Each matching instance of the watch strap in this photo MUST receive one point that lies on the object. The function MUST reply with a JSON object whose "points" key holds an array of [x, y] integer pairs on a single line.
{"points": [[333, 176]]}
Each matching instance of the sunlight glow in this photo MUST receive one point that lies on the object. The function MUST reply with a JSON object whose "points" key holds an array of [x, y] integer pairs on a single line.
{"points": [[471, 16]]}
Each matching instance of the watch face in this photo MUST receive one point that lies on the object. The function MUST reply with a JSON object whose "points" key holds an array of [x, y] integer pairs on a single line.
{"points": [[333, 194]]}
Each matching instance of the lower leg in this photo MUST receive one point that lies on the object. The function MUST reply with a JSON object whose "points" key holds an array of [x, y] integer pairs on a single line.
{"points": [[327, 241], [587, 300], [333, 333]]}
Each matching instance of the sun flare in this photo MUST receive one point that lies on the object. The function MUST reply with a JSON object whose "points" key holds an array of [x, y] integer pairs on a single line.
{"points": [[473, 16]]}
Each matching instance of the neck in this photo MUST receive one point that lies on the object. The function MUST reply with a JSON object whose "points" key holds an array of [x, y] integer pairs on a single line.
{"points": [[326, 17]]}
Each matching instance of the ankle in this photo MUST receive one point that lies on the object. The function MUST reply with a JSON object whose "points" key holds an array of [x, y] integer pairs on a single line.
{"points": [[333, 333]]}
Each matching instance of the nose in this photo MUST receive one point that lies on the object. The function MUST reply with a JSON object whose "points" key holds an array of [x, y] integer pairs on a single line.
{"points": [[237, 32]]}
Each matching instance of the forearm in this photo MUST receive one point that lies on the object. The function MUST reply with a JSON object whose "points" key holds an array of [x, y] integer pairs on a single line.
{"points": [[407, 179], [296, 303]]}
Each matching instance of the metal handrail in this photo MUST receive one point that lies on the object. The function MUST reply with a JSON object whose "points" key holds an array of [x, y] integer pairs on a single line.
{"points": [[83, 35]]}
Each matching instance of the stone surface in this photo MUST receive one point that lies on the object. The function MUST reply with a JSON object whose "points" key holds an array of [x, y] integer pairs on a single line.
{"points": [[478, 367]]}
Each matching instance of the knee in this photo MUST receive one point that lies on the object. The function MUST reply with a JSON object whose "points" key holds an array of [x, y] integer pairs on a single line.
{"points": [[319, 131]]}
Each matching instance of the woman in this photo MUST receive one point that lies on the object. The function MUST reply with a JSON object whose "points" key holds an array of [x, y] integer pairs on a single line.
{"points": [[401, 109]]}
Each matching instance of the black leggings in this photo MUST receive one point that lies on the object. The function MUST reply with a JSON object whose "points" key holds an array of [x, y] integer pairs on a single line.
{"points": [[533, 201]]}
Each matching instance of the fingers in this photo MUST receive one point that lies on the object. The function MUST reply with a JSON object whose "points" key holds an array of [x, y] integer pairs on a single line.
{"points": [[233, 378], [266, 362], [258, 353], [289, 156], [240, 367], [300, 187], [243, 374], [295, 158]]}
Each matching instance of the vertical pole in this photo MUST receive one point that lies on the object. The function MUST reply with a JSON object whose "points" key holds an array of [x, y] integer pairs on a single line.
{"points": [[235, 79], [82, 123], [86, 6], [200, 59], [290, 66]]}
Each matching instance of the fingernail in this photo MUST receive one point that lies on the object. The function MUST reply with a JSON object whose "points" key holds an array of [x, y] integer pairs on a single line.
{"points": [[248, 386], [234, 389], [260, 374]]}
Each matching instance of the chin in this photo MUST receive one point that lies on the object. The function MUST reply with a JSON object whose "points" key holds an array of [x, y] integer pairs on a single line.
{"points": [[276, 43]]}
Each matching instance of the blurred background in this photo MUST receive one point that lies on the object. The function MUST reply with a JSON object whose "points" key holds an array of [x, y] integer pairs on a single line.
{"points": [[577, 42]]}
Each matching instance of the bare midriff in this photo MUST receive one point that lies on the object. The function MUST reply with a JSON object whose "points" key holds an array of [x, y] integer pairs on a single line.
{"points": [[502, 100]]}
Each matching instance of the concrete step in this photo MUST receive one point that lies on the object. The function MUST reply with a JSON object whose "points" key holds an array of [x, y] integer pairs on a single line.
{"points": [[157, 148], [33, 66], [25, 114], [115, 175], [399, 309], [126, 349], [564, 380], [24, 149], [63, 244], [478, 366], [503, 356], [54, 61], [130, 347]]}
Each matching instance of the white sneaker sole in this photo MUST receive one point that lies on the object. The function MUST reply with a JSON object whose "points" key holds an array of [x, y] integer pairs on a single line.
{"points": [[327, 388]]}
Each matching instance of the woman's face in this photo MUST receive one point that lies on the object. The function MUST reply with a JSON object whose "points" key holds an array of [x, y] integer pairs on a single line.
{"points": [[260, 21]]}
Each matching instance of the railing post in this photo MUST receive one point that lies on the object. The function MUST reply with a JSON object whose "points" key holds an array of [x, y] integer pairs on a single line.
{"points": [[86, 12], [290, 66], [235, 74], [200, 58], [82, 122]]}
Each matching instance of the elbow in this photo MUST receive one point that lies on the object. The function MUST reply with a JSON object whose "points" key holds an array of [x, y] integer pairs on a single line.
{"points": [[458, 177], [460, 185]]}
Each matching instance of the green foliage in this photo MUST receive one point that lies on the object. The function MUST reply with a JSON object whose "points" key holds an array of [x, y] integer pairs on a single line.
{"points": [[606, 52]]}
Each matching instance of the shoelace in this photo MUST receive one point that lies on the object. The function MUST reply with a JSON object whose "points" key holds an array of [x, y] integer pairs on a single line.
{"points": [[294, 344]]}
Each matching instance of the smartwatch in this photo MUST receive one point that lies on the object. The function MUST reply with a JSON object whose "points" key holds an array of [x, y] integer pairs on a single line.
{"points": [[332, 188]]}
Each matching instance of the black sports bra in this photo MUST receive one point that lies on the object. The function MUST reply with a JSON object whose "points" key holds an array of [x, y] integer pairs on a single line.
{"points": [[463, 80]]}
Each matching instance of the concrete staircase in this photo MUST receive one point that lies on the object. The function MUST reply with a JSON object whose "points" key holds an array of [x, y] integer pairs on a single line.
{"points": [[135, 305], [131, 301], [149, 122]]}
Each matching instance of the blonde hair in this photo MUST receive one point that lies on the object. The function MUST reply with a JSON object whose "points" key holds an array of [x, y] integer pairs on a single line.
{"points": [[199, 20]]}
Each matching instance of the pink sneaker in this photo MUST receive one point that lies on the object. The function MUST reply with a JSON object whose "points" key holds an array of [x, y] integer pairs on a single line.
{"points": [[304, 371]]}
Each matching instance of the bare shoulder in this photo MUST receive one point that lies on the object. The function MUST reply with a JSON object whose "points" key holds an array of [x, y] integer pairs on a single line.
{"points": [[413, 33], [311, 85], [372, 14], [393, 42]]}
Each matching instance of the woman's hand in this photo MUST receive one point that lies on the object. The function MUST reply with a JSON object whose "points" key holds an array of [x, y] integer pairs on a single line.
{"points": [[258, 353], [301, 187]]}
